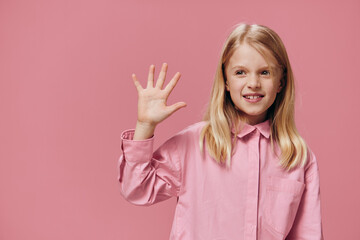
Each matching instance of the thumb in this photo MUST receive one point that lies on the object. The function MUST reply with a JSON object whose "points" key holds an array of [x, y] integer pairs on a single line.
{"points": [[173, 108]]}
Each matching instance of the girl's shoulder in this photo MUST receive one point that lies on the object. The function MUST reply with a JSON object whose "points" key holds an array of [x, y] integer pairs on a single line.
{"points": [[191, 132], [186, 138], [311, 165], [193, 129]]}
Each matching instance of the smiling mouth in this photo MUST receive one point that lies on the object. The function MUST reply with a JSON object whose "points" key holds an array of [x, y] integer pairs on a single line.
{"points": [[253, 97]]}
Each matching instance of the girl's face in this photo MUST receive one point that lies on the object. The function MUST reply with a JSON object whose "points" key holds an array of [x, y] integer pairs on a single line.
{"points": [[252, 84]]}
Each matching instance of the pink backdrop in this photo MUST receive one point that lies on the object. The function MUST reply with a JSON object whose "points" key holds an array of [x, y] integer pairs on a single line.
{"points": [[66, 94]]}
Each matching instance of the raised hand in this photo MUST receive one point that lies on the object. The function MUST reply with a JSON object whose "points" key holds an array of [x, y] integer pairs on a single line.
{"points": [[152, 108]]}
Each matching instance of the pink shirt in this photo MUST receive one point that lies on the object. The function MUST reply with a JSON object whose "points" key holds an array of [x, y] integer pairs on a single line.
{"points": [[254, 199]]}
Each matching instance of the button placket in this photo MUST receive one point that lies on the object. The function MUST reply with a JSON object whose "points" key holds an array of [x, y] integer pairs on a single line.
{"points": [[253, 186]]}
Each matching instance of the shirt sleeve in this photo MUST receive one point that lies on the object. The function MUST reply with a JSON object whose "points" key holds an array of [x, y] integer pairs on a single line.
{"points": [[308, 224], [148, 177]]}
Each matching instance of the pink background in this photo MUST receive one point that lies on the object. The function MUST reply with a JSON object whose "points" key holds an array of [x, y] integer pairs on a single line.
{"points": [[66, 94]]}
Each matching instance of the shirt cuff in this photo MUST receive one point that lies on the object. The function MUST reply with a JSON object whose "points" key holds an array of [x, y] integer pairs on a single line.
{"points": [[138, 151], [129, 135]]}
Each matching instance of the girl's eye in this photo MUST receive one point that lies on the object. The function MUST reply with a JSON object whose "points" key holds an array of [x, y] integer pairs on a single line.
{"points": [[265, 72], [241, 72]]}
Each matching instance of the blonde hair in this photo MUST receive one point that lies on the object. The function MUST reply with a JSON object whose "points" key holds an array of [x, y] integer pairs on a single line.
{"points": [[222, 115]]}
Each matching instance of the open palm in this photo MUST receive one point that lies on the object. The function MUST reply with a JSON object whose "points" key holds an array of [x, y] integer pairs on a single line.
{"points": [[152, 108]]}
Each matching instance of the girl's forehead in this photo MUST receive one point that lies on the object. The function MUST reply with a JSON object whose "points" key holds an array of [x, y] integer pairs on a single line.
{"points": [[245, 54]]}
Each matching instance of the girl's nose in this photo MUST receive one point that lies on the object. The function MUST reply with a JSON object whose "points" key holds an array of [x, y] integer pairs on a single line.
{"points": [[254, 81]]}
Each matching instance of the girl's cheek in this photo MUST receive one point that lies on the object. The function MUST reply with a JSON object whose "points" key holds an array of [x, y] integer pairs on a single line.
{"points": [[238, 84]]}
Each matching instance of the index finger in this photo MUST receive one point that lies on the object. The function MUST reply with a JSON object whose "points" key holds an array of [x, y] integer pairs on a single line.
{"points": [[172, 83]]}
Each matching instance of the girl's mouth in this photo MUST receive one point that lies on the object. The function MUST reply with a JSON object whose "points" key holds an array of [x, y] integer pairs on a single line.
{"points": [[253, 98]]}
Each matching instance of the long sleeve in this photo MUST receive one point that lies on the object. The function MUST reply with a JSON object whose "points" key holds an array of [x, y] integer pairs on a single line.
{"points": [[308, 224], [148, 177]]}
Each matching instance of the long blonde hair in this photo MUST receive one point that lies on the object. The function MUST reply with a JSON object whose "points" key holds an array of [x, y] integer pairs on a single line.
{"points": [[222, 116]]}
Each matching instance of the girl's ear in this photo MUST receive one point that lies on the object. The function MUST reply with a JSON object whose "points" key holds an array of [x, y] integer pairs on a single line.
{"points": [[282, 80], [280, 85], [227, 86]]}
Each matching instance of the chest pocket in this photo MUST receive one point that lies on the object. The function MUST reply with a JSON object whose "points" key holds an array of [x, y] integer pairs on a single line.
{"points": [[282, 200]]}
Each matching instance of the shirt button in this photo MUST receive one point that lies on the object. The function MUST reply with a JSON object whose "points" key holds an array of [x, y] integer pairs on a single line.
{"points": [[253, 227]]}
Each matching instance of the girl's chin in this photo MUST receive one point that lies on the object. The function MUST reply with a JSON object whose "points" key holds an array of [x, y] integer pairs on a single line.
{"points": [[255, 117]]}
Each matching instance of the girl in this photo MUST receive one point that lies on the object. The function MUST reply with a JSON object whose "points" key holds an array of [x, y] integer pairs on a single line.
{"points": [[243, 172]]}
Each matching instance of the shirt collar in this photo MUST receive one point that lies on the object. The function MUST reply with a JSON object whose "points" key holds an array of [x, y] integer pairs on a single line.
{"points": [[263, 127]]}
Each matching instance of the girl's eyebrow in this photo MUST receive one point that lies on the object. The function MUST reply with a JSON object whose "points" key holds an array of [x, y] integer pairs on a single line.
{"points": [[242, 66], [238, 66]]}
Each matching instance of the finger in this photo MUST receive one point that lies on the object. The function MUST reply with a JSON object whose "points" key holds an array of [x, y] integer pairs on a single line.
{"points": [[150, 82], [172, 83], [162, 76], [136, 82], [173, 108]]}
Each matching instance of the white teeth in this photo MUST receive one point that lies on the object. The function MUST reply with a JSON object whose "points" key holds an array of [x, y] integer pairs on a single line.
{"points": [[252, 97]]}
